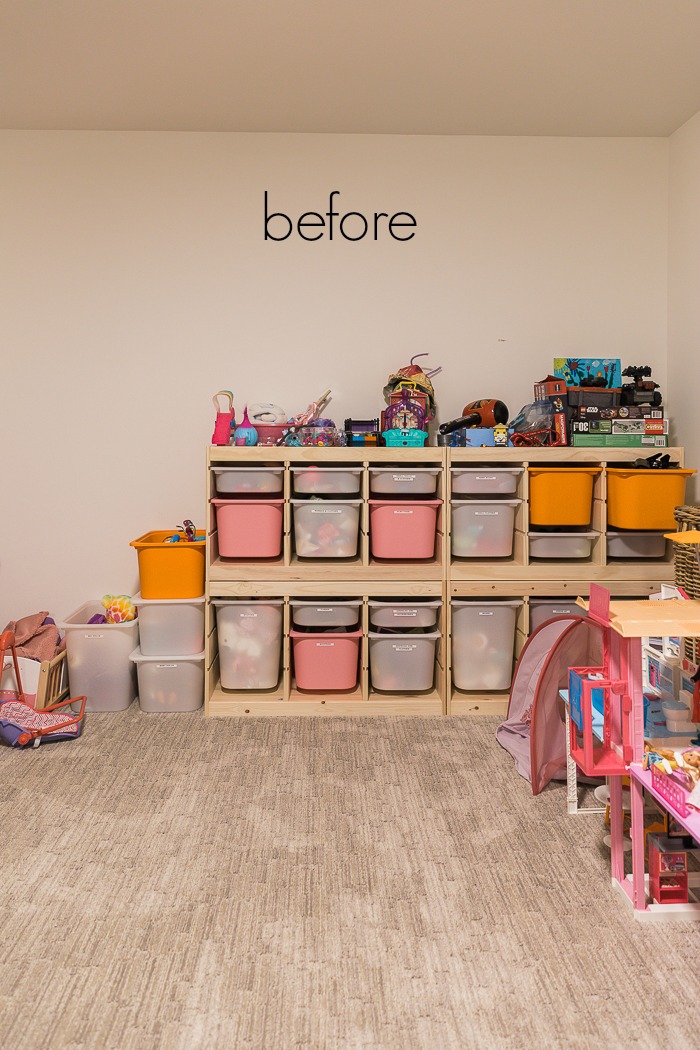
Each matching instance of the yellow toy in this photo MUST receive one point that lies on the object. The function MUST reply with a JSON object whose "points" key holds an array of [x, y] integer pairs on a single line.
{"points": [[119, 608]]}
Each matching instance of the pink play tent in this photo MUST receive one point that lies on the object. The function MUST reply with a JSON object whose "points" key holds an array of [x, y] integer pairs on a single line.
{"points": [[534, 730]]}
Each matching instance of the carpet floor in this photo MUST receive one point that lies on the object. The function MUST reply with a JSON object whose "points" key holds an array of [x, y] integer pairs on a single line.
{"points": [[180, 883]]}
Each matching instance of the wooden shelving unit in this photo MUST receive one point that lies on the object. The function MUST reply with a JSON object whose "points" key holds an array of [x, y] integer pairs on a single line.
{"points": [[519, 576]]}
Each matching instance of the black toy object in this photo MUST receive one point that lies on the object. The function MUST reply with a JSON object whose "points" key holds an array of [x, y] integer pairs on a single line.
{"points": [[642, 390]]}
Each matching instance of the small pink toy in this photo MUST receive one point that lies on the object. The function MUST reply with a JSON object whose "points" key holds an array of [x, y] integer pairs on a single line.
{"points": [[225, 420]]}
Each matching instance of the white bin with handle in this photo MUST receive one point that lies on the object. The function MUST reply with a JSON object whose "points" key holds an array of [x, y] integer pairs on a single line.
{"points": [[98, 658], [483, 643]]}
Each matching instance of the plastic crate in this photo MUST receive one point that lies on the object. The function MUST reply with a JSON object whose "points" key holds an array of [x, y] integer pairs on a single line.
{"points": [[645, 499], [169, 683], [249, 528], [173, 626], [402, 663], [249, 633], [483, 528], [98, 658], [326, 528], [170, 570], [483, 643], [561, 495]]}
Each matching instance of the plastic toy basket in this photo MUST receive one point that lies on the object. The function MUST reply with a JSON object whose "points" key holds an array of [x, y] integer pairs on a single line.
{"points": [[687, 570]]}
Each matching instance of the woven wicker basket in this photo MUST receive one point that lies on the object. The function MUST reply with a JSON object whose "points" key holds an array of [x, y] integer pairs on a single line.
{"points": [[687, 570]]}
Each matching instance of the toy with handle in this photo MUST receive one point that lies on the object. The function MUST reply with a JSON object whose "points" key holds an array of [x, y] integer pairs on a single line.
{"points": [[225, 419]]}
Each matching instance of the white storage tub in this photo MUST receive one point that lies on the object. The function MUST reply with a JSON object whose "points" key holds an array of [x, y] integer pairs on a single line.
{"points": [[326, 528], [402, 663], [98, 658], [483, 528], [248, 480], [325, 612], [401, 613], [483, 643], [327, 481], [170, 683], [485, 481], [542, 609], [172, 626], [636, 544], [561, 544], [407, 481], [249, 633]]}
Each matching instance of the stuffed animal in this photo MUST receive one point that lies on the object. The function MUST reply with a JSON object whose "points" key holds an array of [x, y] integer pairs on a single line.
{"points": [[119, 608]]}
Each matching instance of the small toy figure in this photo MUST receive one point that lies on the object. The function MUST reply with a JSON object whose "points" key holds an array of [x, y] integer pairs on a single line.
{"points": [[245, 434], [225, 419], [642, 390]]}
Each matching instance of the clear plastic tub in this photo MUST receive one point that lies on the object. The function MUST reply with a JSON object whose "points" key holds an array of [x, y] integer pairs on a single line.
{"points": [[636, 544], [98, 658], [327, 481], [326, 528], [404, 481], [542, 609], [172, 626], [326, 661], [251, 480], [483, 643], [561, 544], [483, 528], [249, 528], [325, 612], [485, 481], [401, 613], [400, 529], [402, 663], [250, 642], [170, 683]]}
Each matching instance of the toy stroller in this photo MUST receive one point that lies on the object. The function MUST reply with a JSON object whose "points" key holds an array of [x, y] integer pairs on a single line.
{"points": [[21, 724]]}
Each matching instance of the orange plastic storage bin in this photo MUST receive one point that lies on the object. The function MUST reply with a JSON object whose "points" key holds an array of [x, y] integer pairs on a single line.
{"points": [[644, 499], [561, 495], [170, 570]]}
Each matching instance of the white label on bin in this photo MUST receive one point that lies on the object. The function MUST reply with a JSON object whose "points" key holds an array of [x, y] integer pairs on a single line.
{"points": [[485, 477], [485, 513], [166, 665], [403, 512], [325, 645], [248, 616], [405, 612], [319, 609], [403, 477], [326, 510], [93, 636], [486, 613], [404, 648]]}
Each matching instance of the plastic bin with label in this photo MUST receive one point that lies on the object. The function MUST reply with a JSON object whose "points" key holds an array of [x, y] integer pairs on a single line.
{"points": [[483, 528], [170, 570], [248, 480], [644, 499], [403, 481], [635, 544], [249, 634], [326, 660], [483, 643], [542, 609], [327, 481], [402, 663], [326, 528], [325, 612], [249, 528], [485, 481], [561, 495], [561, 544], [98, 658], [403, 529], [401, 613], [174, 626], [170, 683]]}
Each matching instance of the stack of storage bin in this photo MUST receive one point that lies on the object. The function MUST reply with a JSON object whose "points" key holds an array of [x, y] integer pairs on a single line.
{"points": [[326, 635], [641, 507], [326, 511], [483, 643], [403, 512], [561, 509], [403, 637], [249, 510], [483, 511], [249, 633]]}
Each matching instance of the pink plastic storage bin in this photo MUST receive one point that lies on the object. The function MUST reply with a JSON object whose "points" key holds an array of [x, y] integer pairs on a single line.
{"points": [[326, 660], [249, 528], [403, 529]]}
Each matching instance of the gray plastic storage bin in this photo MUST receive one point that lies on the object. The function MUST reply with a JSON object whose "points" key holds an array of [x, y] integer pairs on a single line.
{"points": [[327, 481], [636, 544], [542, 609], [401, 613], [98, 659], [483, 528], [172, 626], [402, 663], [483, 643], [249, 633], [170, 683], [325, 612], [248, 480], [561, 544], [485, 481], [408, 481], [326, 528]]}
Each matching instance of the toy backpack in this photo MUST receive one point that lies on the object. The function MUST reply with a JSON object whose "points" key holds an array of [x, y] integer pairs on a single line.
{"points": [[22, 725]]}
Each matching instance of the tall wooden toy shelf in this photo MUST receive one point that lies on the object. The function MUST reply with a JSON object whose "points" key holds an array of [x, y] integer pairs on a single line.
{"points": [[520, 576]]}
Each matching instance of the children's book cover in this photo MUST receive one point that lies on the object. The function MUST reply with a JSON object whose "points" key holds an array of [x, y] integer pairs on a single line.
{"points": [[589, 371]]}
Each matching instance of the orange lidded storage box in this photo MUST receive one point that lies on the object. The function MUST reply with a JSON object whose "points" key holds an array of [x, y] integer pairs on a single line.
{"points": [[645, 499], [561, 495], [170, 570]]}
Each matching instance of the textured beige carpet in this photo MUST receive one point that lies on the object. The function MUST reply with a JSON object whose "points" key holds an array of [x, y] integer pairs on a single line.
{"points": [[175, 882]]}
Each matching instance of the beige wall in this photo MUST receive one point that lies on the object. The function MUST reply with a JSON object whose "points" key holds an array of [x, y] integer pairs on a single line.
{"points": [[136, 283], [684, 287]]}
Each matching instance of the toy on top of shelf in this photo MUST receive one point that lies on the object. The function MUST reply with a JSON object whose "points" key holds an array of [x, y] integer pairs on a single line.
{"points": [[642, 390], [405, 423], [245, 433], [119, 608], [417, 382], [362, 432], [225, 420], [303, 419]]}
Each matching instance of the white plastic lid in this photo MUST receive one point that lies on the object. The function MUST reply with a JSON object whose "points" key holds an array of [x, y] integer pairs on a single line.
{"points": [[477, 603], [408, 637], [340, 602], [327, 502], [487, 470], [404, 470], [138, 600], [312, 468], [257, 470], [401, 603], [566, 535], [247, 601], [489, 502], [139, 658]]}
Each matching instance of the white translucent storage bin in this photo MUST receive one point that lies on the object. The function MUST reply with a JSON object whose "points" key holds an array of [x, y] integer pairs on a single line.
{"points": [[174, 626], [170, 683], [636, 544], [326, 528], [483, 528], [561, 544], [409, 481], [248, 480], [325, 613], [485, 481], [402, 663], [542, 609], [483, 643], [401, 613], [98, 659], [327, 481], [250, 642]]}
